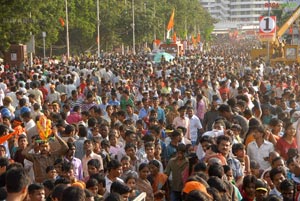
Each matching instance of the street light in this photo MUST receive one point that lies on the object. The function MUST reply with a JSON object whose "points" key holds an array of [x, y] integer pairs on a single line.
{"points": [[67, 34], [44, 44], [133, 29], [98, 28]]}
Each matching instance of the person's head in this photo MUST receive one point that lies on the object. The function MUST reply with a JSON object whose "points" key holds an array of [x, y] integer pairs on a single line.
{"points": [[258, 132], [93, 166], [216, 169], [114, 168], [238, 149], [19, 187], [290, 130], [74, 194], [44, 147], [248, 186], [224, 144], [36, 192], [48, 187], [125, 161], [130, 181], [101, 182], [130, 150], [51, 172], [120, 188], [261, 190], [277, 162], [92, 186], [88, 146], [22, 142], [180, 151], [57, 192], [68, 171], [143, 171], [154, 167], [196, 195], [287, 190], [225, 111], [217, 183], [277, 175], [3, 164], [228, 172], [149, 149], [177, 136]]}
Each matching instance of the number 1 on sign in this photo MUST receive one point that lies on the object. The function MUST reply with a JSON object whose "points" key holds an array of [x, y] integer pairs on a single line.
{"points": [[267, 27]]}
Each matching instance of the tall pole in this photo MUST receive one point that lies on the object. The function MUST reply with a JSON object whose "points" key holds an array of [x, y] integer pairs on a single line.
{"points": [[269, 13], [44, 44], [98, 28], [133, 29], [67, 30]]}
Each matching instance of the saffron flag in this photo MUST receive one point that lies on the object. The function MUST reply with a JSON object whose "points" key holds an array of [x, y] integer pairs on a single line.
{"points": [[171, 21], [193, 40], [198, 38], [174, 37], [62, 22]]}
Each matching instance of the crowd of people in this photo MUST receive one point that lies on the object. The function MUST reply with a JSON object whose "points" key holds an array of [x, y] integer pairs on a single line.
{"points": [[212, 125]]}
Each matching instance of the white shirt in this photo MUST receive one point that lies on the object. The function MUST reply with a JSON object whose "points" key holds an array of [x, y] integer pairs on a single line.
{"points": [[108, 182], [259, 153], [195, 124]]}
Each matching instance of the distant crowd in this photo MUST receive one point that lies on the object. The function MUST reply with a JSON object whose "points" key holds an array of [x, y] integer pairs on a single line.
{"points": [[212, 125]]}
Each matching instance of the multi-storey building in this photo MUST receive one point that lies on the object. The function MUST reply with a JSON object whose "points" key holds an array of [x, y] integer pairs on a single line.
{"points": [[239, 13]]}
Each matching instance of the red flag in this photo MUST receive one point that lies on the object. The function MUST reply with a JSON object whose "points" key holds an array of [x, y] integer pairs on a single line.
{"points": [[171, 21], [174, 37], [62, 22], [198, 38]]}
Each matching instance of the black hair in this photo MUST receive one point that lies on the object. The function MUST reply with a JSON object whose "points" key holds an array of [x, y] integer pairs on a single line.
{"points": [[4, 162], [113, 164], [223, 138], [100, 178], [34, 187], [74, 194], [49, 184], [16, 179], [217, 183], [142, 166], [50, 168], [236, 147], [94, 162], [91, 183], [118, 187], [195, 195], [66, 166], [248, 179], [216, 170], [275, 171], [62, 180], [200, 166]]}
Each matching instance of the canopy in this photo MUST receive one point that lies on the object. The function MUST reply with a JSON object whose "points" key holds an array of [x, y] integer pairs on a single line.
{"points": [[159, 55]]}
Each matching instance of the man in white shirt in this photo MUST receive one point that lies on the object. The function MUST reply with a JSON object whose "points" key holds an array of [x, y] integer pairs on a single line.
{"points": [[114, 168], [89, 154], [195, 125]]}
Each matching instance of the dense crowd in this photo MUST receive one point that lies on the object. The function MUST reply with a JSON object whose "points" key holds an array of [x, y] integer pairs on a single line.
{"points": [[211, 125]]}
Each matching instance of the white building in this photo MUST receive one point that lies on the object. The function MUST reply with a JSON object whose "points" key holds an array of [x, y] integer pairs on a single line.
{"points": [[239, 13]]}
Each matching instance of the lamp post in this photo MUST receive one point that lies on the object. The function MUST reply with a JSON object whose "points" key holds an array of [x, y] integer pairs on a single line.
{"points": [[67, 34], [133, 29], [44, 44], [98, 28], [269, 13]]}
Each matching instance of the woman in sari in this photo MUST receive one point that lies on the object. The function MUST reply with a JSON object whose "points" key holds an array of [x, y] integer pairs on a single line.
{"points": [[143, 184], [158, 180]]}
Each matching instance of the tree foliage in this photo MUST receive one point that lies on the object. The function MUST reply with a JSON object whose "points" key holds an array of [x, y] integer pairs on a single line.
{"points": [[20, 18]]}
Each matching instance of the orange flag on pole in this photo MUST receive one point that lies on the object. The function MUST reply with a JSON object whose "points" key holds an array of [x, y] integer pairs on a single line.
{"points": [[171, 21], [62, 22], [174, 37], [198, 38], [193, 40]]}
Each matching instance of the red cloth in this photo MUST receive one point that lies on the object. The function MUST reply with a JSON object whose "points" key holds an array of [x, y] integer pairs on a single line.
{"points": [[283, 146]]}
